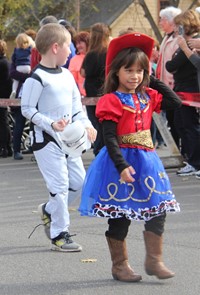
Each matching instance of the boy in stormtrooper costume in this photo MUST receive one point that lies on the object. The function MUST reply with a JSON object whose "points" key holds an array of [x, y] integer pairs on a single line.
{"points": [[51, 101]]}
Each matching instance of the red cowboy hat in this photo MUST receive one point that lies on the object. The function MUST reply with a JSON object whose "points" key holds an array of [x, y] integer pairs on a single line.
{"points": [[141, 41]]}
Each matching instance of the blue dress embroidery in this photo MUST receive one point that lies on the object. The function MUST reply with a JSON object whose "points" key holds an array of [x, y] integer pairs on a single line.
{"points": [[127, 99], [104, 195]]}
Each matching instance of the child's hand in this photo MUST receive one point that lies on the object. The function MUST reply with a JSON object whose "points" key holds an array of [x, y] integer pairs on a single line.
{"points": [[59, 125], [126, 174], [92, 134]]}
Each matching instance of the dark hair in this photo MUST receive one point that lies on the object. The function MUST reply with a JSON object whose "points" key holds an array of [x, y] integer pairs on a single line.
{"points": [[126, 58]]}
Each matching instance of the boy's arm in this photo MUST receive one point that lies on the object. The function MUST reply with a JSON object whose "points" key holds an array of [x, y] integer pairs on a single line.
{"points": [[31, 93]]}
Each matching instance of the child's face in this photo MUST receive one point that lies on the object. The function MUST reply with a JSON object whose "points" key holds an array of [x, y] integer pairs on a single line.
{"points": [[63, 53], [130, 78]]}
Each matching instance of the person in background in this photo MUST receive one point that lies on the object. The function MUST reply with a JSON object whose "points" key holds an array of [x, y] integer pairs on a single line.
{"points": [[194, 58], [155, 133], [5, 90], [93, 70], [16, 111], [154, 57], [21, 58], [35, 56], [72, 32], [81, 41], [126, 31], [51, 100], [187, 118], [32, 35], [168, 47]]}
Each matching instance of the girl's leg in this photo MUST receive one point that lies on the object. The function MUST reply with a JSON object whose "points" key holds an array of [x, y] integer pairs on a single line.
{"points": [[153, 237], [116, 234]]}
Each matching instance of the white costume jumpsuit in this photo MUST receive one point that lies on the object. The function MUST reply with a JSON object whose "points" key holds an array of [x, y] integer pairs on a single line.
{"points": [[49, 95]]}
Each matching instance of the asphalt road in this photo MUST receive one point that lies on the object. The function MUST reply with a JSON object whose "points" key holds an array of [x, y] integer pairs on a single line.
{"points": [[27, 266]]}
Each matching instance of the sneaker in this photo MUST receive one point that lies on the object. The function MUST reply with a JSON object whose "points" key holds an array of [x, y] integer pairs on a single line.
{"points": [[197, 174], [64, 243], [187, 170], [18, 156], [46, 218]]}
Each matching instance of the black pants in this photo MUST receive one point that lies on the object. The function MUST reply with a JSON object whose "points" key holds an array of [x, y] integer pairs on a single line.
{"points": [[5, 132], [187, 122], [18, 129], [118, 227]]}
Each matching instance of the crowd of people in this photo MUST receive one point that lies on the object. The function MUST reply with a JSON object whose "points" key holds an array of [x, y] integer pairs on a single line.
{"points": [[51, 70]]}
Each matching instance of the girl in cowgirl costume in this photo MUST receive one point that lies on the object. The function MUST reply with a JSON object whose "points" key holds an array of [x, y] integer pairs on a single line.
{"points": [[127, 180]]}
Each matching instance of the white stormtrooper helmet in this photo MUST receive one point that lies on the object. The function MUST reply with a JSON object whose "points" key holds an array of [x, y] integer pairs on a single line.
{"points": [[74, 139]]}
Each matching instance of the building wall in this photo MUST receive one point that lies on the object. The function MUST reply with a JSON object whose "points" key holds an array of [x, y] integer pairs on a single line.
{"points": [[134, 17]]}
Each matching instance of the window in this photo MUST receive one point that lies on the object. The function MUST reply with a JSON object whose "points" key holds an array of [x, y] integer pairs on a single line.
{"points": [[164, 4]]}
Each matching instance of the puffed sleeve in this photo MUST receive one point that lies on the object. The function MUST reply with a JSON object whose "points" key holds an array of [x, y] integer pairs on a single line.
{"points": [[109, 107], [156, 99]]}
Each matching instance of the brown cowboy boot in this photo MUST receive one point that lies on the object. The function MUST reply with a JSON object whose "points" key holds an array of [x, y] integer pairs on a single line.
{"points": [[121, 269], [154, 265]]}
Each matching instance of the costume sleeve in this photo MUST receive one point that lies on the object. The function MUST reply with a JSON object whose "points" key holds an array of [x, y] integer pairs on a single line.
{"points": [[156, 99], [169, 98], [109, 107], [110, 139], [31, 93]]}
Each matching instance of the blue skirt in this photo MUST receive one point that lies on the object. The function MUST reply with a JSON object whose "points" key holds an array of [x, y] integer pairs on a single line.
{"points": [[103, 195]]}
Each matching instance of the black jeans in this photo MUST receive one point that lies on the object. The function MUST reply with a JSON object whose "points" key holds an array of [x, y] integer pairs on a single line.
{"points": [[5, 132], [18, 129], [118, 227], [187, 122]]}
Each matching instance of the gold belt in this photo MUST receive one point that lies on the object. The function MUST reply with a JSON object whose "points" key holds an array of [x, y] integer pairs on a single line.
{"points": [[140, 138]]}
